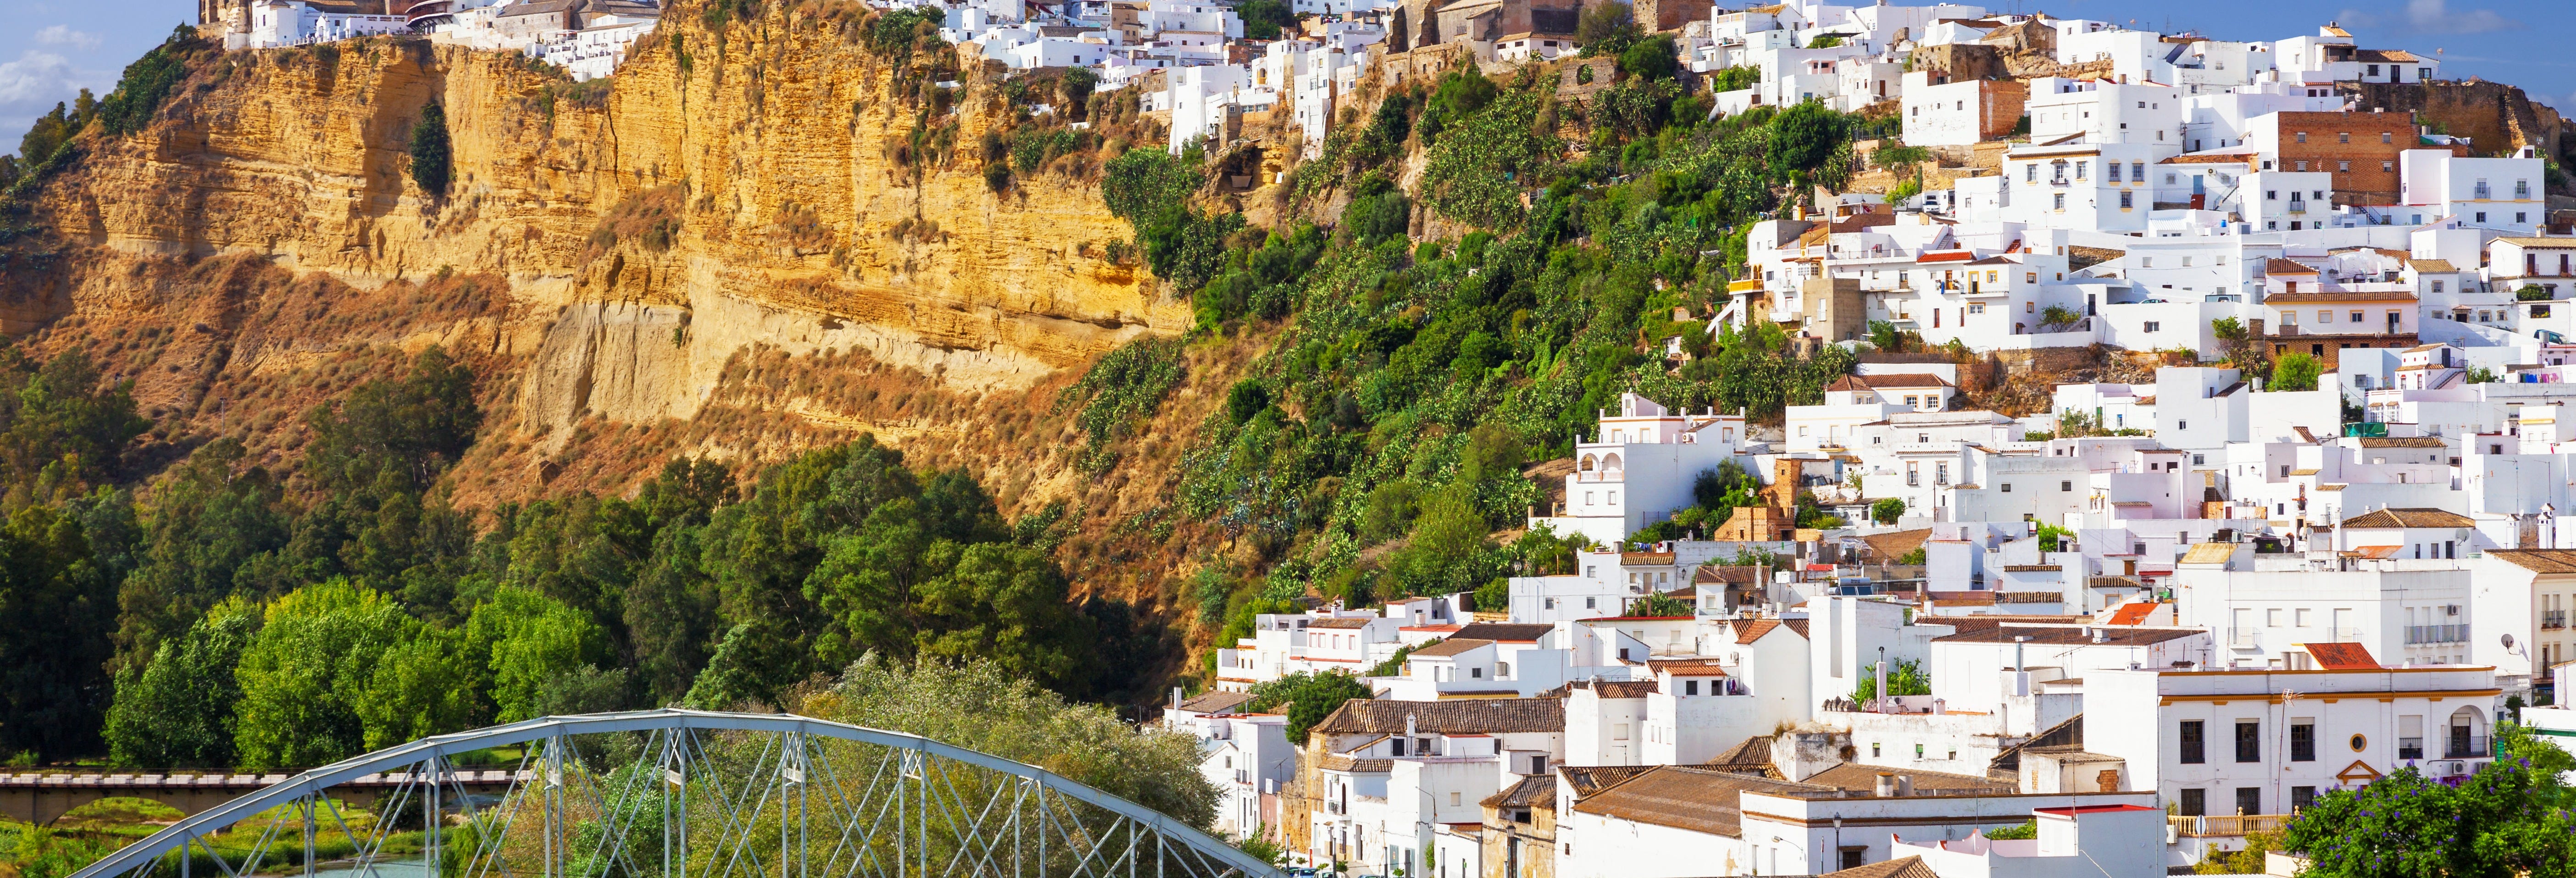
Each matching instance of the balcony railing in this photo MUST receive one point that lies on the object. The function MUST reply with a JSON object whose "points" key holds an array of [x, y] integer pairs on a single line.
{"points": [[2482, 193], [2410, 748], [2226, 825], [2467, 747], [2553, 619], [2437, 633]]}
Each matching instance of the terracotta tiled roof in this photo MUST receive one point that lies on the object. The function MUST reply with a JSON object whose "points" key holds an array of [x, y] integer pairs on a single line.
{"points": [[2135, 613], [1341, 622], [2029, 597], [1503, 632], [2278, 265], [2537, 560], [1903, 867], [1618, 688], [1216, 702], [1696, 799], [2404, 442], [2410, 518], [1450, 647], [2332, 297], [1750, 630], [2208, 553], [2432, 266], [2342, 656], [1906, 379], [1586, 781], [1753, 752], [1887, 547], [1538, 791], [2113, 582], [1645, 558], [2069, 635], [1361, 716], [2384, 56], [2373, 552]]}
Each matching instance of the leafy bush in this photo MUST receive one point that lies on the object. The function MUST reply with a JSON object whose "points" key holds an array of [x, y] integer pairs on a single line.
{"points": [[1650, 58], [1310, 696], [1607, 29], [2295, 371], [1127, 385], [1887, 510], [147, 82]]}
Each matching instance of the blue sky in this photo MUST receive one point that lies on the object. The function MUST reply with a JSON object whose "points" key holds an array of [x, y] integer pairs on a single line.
{"points": [[50, 49]]}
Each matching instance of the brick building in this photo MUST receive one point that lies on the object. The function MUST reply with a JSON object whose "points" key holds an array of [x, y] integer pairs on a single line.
{"points": [[2359, 148]]}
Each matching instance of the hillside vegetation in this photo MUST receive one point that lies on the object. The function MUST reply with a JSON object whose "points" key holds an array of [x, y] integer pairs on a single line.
{"points": [[272, 515]]}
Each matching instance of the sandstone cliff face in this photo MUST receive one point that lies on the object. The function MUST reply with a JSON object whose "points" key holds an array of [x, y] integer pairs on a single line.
{"points": [[797, 229], [715, 254]]}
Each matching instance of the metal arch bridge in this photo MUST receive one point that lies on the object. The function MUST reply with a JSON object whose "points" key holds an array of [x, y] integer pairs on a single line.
{"points": [[683, 794]]}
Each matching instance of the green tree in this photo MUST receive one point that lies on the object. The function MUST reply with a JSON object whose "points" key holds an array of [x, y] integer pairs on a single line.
{"points": [[1661, 605], [981, 706], [305, 673], [527, 640], [2506, 820], [1307, 696], [1449, 551], [2295, 371], [177, 710], [1262, 19], [1607, 29], [57, 611], [1904, 677], [431, 161], [1887, 510], [211, 517], [1650, 58], [1804, 136], [63, 426]]}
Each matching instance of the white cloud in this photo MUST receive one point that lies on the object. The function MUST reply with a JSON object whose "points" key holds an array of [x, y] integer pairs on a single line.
{"points": [[2432, 17], [36, 77], [64, 35]]}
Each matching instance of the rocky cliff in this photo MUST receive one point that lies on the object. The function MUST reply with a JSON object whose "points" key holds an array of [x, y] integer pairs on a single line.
{"points": [[761, 235]]}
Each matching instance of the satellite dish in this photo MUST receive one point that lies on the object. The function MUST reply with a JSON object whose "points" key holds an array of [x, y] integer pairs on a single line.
{"points": [[2508, 641]]}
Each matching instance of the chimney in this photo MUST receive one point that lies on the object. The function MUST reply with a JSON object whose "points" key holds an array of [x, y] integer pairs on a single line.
{"points": [[1176, 698], [1904, 785], [1880, 670], [1886, 784], [1408, 725]]}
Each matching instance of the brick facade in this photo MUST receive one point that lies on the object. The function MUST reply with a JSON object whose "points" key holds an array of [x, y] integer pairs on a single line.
{"points": [[2359, 149]]}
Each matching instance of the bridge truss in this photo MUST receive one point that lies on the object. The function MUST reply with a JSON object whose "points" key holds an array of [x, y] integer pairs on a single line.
{"points": [[682, 794]]}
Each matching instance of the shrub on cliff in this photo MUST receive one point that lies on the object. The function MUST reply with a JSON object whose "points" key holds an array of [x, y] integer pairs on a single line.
{"points": [[430, 161], [147, 82]]}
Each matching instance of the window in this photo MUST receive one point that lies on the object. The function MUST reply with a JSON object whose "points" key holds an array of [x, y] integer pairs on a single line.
{"points": [[2154, 326], [2343, 166], [2346, 137], [2061, 205], [1690, 687], [2356, 317], [1588, 603], [2193, 752], [2249, 741], [2325, 317], [2138, 172], [2124, 197], [2030, 173], [2113, 169], [2007, 487], [2303, 742], [2249, 800], [2195, 802], [2384, 137], [2388, 166], [2303, 137], [2302, 798], [2065, 486]]}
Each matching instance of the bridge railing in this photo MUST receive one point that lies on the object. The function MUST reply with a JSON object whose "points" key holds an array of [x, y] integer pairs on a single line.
{"points": [[684, 794]]}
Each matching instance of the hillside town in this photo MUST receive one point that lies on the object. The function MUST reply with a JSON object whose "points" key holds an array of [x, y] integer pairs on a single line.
{"points": [[2129, 632]]}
